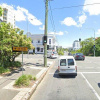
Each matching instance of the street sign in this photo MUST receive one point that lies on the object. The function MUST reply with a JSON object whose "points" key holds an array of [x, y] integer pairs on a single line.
{"points": [[19, 49]]}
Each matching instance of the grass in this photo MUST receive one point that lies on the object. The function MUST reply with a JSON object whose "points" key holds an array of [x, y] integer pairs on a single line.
{"points": [[24, 80], [4, 70]]}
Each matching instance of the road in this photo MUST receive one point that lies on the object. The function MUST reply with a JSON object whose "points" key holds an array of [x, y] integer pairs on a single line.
{"points": [[86, 86]]}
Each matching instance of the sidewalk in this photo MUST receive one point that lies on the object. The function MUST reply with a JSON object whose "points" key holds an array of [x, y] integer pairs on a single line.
{"points": [[8, 92]]}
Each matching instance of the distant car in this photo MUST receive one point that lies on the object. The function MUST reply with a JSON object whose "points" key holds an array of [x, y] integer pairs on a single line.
{"points": [[67, 66], [79, 56], [52, 54], [69, 54]]}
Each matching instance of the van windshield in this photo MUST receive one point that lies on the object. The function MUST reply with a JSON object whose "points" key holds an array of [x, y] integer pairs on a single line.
{"points": [[70, 62], [63, 62]]}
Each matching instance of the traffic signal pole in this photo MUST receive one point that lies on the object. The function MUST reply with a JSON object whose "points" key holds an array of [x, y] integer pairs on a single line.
{"points": [[45, 33]]}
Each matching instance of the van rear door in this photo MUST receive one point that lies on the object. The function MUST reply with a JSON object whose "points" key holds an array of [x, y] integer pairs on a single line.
{"points": [[71, 63], [63, 64]]}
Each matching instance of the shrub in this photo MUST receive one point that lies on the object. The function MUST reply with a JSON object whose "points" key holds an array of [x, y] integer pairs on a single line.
{"points": [[60, 53], [30, 77], [4, 70], [22, 81], [34, 78]]}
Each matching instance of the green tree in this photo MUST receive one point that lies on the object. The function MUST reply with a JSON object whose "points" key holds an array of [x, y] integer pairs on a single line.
{"points": [[87, 46], [97, 46], [10, 37], [1, 11]]}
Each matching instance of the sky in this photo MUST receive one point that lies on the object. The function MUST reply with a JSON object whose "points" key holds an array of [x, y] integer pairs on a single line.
{"points": [[69, 20]]}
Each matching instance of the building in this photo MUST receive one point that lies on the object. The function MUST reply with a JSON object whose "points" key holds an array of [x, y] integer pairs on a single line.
{"points": [[8, 15], [37, 41], [76, 44]]}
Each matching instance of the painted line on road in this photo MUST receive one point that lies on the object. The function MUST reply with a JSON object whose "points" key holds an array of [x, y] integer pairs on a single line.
{"points": [[91, 87], [79, 73], [89, 72]]}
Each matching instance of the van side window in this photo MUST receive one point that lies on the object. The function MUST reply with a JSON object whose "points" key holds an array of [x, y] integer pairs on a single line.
{"points": [[70, 62], [63, 62]]}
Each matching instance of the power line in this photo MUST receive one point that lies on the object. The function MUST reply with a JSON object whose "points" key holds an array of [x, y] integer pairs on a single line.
{"points": [[52, 22], [74, 6]]}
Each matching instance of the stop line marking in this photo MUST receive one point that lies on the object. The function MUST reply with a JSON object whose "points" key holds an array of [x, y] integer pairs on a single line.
{"points": [[94, 91], [81, 72]]}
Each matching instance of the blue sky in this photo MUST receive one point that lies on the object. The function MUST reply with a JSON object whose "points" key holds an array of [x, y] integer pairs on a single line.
{"points": [[69, 23]]}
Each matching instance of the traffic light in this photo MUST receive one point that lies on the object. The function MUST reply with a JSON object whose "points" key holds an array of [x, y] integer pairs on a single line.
{"points": [[45, 39]]}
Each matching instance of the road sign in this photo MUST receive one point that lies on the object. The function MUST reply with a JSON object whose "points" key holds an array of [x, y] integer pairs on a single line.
{"points": [[18, 49]]}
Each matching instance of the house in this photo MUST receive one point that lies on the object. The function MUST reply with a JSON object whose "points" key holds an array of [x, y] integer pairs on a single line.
{"points": [[37, 41], [8, 15], [76, 44]]}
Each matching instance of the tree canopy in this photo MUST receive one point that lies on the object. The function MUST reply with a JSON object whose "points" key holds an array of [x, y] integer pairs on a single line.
{"points": [[1, 11], [10, 37]]}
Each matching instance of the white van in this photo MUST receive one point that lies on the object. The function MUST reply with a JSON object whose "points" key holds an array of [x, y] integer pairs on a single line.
{"points": [[52, 54], [67, 66]]}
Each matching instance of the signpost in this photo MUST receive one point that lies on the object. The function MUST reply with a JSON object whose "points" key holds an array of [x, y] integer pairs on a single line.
{"points": [[20, 49]]}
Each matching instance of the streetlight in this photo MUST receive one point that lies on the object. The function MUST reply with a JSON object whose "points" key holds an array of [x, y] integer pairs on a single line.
{"points": [[28, 32]]}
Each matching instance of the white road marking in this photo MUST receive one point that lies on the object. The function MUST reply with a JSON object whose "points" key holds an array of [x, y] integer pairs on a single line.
{"points": [[80, 73], [89, 72], [91, 87]]}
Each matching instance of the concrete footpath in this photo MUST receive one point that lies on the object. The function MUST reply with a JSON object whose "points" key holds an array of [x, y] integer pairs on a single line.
{"points": [[31, 67]]}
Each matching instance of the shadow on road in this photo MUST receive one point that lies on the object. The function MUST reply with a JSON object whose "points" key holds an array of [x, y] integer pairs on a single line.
{"points": [[99, 85], [36, 64], [56, 75]]}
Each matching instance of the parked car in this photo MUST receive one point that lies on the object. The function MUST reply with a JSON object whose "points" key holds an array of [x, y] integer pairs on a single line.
{"points": [[67, 66], [52, 54], [79, 56]]}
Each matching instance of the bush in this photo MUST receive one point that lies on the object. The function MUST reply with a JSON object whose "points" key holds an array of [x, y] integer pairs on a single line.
{"points": [[34, 78], [60, 53], [15, 64], [30, 77], [24, 80], [4, 70]]}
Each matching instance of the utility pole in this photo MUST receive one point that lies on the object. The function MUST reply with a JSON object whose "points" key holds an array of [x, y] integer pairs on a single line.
{"points": [[45, 33]]}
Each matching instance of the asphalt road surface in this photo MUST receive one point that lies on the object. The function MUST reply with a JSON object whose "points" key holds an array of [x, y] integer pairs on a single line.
{"points": [[85, 86]]}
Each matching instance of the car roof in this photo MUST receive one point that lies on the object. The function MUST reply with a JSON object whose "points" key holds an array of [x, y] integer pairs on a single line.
{"points": [[66, 57]]}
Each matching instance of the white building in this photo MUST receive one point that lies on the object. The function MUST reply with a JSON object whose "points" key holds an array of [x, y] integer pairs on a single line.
{"points": [[76, 45], [8, 15], [37, 41]]}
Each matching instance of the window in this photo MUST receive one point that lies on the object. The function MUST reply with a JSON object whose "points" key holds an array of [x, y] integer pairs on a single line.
{"points": [[38, 41], [32, 41], [49, 41], [63, 62], [70, 62], [38, 49], [41, 49]]}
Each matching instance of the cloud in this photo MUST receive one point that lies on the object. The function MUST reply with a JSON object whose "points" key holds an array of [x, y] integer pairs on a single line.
{"points": [[69, 21], [22, 14], [33, 20], [82, 20], [98, 32], [58, 33], [92, 9], [19, 15], [42, 28]]}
